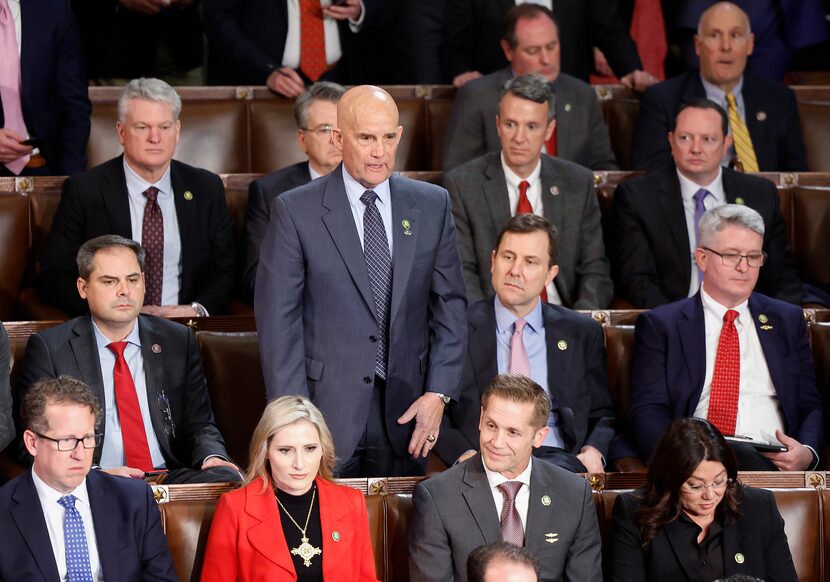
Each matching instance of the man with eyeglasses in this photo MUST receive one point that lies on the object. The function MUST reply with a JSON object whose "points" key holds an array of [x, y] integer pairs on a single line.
{"points": [[654, 218], [145, 370], [315, 112], [731, 355], [61, 521]]}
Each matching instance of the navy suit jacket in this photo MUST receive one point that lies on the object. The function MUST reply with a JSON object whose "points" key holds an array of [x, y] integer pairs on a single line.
{"points": [[53, 85], [669, 368], [316, 315], [128, 532], [771, 118], [577, 380], [97, 202]]}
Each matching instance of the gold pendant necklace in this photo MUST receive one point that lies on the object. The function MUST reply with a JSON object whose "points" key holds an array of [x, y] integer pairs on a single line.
{"points": [[305, 550]]}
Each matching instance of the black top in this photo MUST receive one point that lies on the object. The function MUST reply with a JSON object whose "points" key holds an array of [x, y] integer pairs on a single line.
{"points": [[706, 556], [297, 506]]}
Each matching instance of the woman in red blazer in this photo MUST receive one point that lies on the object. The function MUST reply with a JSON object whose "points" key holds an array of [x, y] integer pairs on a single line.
{"points": [[290, 521]]}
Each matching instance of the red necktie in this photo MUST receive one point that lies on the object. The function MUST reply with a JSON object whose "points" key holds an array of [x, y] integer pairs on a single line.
{"points": [[524, 207], [152, 239], [511, 524], [136, 449], [726, 379], [10, 83], [550, 144], [312, 40]]}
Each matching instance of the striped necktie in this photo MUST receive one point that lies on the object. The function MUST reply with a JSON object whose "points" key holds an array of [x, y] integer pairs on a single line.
{"points": [[740, 135]]}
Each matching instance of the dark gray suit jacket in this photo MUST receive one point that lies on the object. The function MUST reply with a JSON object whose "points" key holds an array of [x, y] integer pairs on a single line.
{"points": [[581, 133], [6, 422], [577, 381], [316, 316], [481, 208], [455, 513], [261, 194], [175, 369]]}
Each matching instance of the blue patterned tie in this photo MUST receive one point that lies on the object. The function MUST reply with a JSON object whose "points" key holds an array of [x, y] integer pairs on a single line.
{"points": [[379, 263], [74, 539], [700, 210]]}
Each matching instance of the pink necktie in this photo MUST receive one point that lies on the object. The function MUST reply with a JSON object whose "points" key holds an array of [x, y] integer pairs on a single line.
{"points": [[511, 524], [519, 360], [10, 83]]}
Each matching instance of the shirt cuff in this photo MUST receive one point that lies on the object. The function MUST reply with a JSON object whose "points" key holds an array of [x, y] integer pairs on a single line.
{"points": [[356, 25]]}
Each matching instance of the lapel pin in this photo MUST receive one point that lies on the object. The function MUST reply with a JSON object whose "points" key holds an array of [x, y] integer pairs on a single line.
{"points": [[763, 318], [552, 538], [739, 200], [554, 190], [562, 345], [761, 116], [188, 195], [568, 107], [156, 349], [545, 500], [766, 327], [335, 535], [407, 227], [739, 557]]}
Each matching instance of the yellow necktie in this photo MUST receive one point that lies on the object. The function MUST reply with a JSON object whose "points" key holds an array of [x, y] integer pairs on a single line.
{"points": [[740, 135]]}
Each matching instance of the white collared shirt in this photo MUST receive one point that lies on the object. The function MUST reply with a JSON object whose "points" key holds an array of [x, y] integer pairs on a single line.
{"points": [[716, 198], [759, 413], [291, 52], [53, 513], [522, 500], [14, 8], [354, 190]]}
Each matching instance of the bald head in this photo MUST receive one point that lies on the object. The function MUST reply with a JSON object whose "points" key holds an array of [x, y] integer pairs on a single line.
{"points": [[717, 10], [368, 134], [723, 43]]}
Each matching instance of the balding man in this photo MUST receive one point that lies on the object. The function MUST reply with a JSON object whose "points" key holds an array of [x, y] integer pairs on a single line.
{"points": [[763, 115], [360, 301]]}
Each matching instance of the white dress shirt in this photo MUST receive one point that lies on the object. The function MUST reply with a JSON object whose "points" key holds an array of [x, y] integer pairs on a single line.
{"points": [[522, 500], [53, 512], [291, 53], [354, 190], [14, 8]]}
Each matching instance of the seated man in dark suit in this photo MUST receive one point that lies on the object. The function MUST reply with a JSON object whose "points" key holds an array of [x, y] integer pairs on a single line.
{"points": [[654, 217], [61, 521], [177, 212], [562, 351], [487, 191], [531, 45], [315, 112], [145, 370], [506, 495], [762, 114], [735, 357]]}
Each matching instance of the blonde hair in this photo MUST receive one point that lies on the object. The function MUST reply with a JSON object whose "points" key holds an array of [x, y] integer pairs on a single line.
{"points": [[279, 414]]}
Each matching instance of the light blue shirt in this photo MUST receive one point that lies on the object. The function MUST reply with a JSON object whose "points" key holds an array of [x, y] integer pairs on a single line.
{"points": [[136, 186], [533, 337], [354, 190], [718, 95], [112, 453]]}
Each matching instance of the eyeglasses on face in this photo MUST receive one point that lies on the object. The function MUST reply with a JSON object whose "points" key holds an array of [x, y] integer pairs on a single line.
{"points": [[754, 260], [718, 485], [71, 443], [321, 131]]}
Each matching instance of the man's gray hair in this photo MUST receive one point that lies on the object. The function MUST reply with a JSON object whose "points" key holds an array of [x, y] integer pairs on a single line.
{"points": [[319, 91], [533, 87], [718, 218], [150, 89]]}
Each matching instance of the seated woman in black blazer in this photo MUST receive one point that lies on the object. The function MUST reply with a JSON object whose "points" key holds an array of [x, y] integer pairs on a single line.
{"points": [[694, 521]]}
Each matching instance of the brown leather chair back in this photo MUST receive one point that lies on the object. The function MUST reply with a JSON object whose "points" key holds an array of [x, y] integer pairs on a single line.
{"points": [[619, 344], [621, 116], [376, 508], [802, 513], [815, 127], [273, 135], [14, 240], [439, 112], [810, 231], [187, 525], [413, 149], [398, 517]]}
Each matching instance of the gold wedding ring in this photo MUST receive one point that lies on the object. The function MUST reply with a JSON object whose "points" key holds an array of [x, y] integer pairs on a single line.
{"points": [[431, 438]]}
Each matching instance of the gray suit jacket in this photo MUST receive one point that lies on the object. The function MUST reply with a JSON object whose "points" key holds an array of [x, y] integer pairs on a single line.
{"points": [[581, 133], [455, 513], [174, 369], [481, 208], [316, 315]]}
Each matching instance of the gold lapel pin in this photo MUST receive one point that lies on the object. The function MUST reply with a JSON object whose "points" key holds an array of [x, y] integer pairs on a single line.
{"points": [[763, 318], [335, 535], [739, 200], [568, 107], [761, 116], [562, 345], [551, 537], [156, 349], [188, 195], [545, 500], [739, 557]]}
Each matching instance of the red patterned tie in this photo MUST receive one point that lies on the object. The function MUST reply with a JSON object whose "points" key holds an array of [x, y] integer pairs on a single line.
{"points": [[152, 239], [550, 144], [136, 449], [511, 524], [312, 40], [524, 207], [726, 379]]}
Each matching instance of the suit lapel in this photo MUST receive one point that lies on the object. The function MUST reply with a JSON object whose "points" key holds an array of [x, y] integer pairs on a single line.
{"points": [[691, 328], [266, 537], [731, 547], [404, 245], [677, 536], [336, 518], [559, 372], [85, 350], [482, 343], [154, 378], [771, 343], [116, 198], [674, 217], [494, 190], [28, 517], [107, 535], [754, 109], [340, 225], [552, 209], [564, 126], [541, 518], [480, 501], [187, 214]]}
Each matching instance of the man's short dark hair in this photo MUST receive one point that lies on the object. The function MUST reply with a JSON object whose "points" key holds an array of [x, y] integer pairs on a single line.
{"points": [[704, 104], [319, 91], [86, 254], [533, 87], [521, 389], [60, 390], [480, 559], [515, 14], [527, 223]]}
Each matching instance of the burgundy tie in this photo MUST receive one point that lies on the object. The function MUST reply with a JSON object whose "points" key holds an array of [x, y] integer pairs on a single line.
{"points": [[511, 524], [136, 449], [10, 82], [152, 239], [726, 379]]}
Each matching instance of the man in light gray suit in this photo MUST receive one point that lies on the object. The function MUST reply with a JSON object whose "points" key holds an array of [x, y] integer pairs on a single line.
{"points": [[506, 495], [359, 299], [487, 191], [531, 45]]}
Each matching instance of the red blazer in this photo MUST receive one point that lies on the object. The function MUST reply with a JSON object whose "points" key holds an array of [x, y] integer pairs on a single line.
{"points": [[246, 542]]}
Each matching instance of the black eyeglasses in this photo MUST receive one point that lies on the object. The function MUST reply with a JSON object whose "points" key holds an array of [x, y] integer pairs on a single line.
{"points": [[71, 443], [734, 259], [167, 413]]}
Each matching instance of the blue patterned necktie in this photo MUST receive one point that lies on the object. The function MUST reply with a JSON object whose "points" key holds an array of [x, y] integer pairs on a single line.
{"points": [[78, 568], [700, 210], [379, 264]]}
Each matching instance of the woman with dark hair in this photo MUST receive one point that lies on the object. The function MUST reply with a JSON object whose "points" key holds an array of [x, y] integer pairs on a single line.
{"points": [[694, 520]]}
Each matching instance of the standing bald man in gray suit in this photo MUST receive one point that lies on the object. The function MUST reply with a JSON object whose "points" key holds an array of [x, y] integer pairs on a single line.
{"points": [[487, 191]]}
